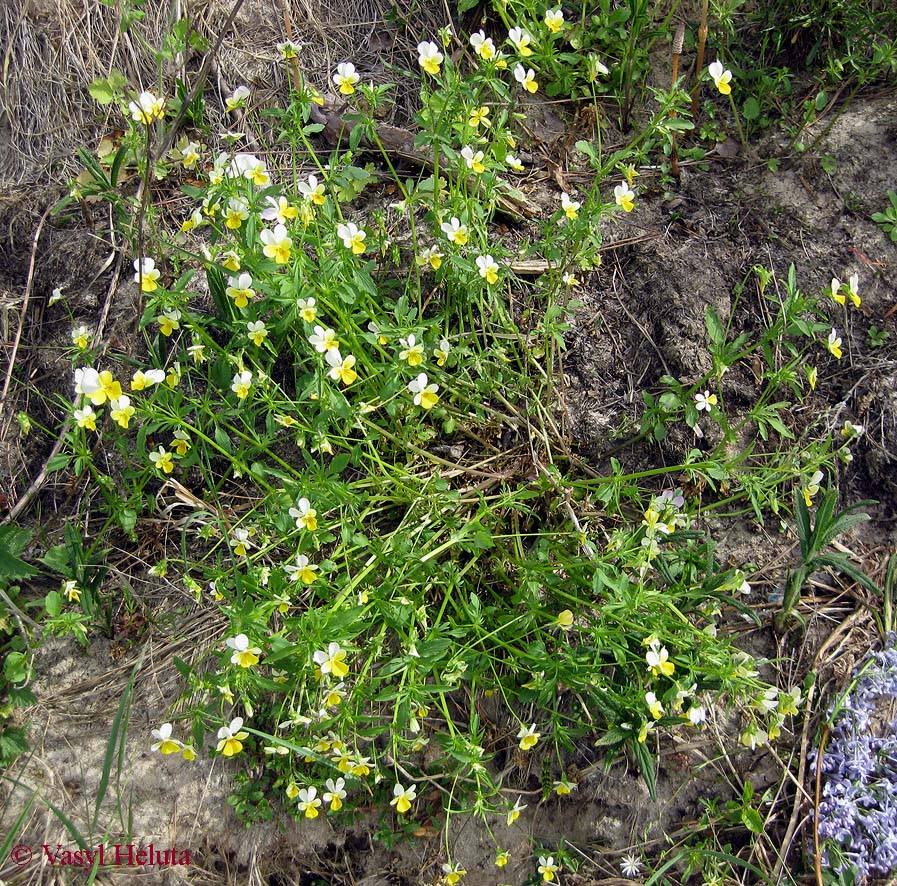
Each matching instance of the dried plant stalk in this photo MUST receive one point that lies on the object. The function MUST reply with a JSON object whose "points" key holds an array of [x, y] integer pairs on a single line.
{"points": [[702, 42]]}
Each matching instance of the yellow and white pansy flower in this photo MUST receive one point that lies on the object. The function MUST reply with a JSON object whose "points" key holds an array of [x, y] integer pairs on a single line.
{"points": [[346, 78], [231, 738], [245, 656], [146, 108], [146, 274], [277, 244], [429, 57], [424, 391]]}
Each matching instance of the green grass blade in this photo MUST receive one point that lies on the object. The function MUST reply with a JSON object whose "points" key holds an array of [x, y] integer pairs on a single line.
{"points": [[116, 744], [13, 833], [74, 833]]}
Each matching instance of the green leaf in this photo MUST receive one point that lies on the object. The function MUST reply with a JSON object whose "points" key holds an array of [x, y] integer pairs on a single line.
{"points": [[12, 542], [751, 819], [57, 559], [588, 149], [53, 603], [678, 124], [13, 743], [15, 668], [217, 287], [15, 827], [714, 327], [58, 463], [101, 91], [803, 523], [223, 440], [840, 563], [751, 109], [127, 519], [645, 761]]}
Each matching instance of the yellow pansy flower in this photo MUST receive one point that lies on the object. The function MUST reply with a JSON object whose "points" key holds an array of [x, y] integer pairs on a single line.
{"points": [[352, 236], [335, 793], [479, 117], [526, 77], [121, 410], [146, 274], [342, 369], [554, 20], [257, 332], [527, 737], [402, 797], [277, 244], [146, 108], [429, 57], [164, 743], [482, 45], [424, 391], [834, 344], [169, 322], [722, 78], [86, 418], [245, 656], [412, 351], [521, 41], [487, 267], [346, 77], [231, 738], [624, 196], [332, 661], [81, 337], [161, 458]]}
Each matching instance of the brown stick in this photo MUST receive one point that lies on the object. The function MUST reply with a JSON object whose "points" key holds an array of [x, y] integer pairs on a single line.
{"points": [[294, 62], [26, 299], [702, 41]]}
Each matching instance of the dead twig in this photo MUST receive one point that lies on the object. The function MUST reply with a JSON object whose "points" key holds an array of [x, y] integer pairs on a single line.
{"points": [[817, 859], [702, 42], [26, 300]]}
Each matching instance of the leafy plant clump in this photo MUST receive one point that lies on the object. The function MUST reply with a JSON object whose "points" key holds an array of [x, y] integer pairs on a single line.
{"points": [[416, 581]]}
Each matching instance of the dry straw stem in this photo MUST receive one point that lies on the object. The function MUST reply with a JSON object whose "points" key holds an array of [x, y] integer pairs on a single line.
{"points": [[702, 42], [29, 284], [52, 51]]}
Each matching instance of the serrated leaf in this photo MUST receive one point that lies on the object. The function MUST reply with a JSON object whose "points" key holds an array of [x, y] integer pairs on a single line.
{"points": [[57, 559], [751, 109], [13, 743], [12, 542]]}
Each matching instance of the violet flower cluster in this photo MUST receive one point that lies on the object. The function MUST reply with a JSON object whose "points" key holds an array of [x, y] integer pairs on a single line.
{"points": [[858, 806]]}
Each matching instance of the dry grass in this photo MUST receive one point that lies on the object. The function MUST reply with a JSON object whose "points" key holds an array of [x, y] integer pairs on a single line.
{"points": [[53, 51]]}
